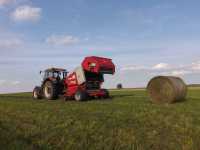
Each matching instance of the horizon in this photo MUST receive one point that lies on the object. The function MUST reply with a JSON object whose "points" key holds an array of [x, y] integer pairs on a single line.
{"points": [[143, 38]]}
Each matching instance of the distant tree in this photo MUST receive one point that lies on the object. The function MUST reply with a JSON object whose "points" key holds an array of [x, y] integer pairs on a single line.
{"points": [[119, 86]]}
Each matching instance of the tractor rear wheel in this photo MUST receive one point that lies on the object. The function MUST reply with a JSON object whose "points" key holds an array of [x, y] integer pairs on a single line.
{"points": [[50, 90], [80, 96], [37, 92]]}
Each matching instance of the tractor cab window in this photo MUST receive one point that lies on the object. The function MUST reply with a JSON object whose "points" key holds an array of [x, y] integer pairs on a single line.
{"points": [[65, 74], [48, 74], [57, 75]]}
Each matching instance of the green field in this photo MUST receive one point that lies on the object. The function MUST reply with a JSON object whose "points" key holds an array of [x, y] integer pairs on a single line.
{"points": [[128, 121]]}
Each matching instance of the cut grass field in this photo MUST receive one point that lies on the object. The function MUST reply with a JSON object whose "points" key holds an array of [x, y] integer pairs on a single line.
{"points": [[127, 121]]}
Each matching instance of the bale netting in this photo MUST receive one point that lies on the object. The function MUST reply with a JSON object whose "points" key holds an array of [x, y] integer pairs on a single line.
{"points": [[166, 89]]}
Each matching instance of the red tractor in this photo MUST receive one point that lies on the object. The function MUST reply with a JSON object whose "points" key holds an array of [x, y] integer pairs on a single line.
{"points": [[52, 84], [83, 83]]}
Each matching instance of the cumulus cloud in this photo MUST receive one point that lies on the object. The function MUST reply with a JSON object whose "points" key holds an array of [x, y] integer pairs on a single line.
{"points": [[26, 13], [10, 43], [196, 66], [161, 66], [2, 82], [192, 68], [15, 82], [62, 40], [166, 69], [7, 83], [132, 67], [5, 2], [179, 72]]}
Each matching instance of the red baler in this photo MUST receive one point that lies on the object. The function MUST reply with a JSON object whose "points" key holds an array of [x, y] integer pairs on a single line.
{"points": [[85, 81]]}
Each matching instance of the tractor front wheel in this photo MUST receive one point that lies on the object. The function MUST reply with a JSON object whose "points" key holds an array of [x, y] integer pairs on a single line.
{"points": [[37, 92], [50, 90], [80, 96]]}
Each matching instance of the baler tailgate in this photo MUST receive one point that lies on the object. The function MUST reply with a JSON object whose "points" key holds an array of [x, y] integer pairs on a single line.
{"points": [[98, 65]]}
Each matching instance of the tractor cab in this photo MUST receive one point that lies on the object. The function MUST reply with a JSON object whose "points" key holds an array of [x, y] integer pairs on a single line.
{"points": [[54, 74], [52, 84]]}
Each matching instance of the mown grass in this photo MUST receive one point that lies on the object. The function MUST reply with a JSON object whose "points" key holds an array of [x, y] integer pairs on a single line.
{"points": [[127, 121]]}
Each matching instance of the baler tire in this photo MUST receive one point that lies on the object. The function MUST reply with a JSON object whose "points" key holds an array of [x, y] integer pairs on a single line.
{"points": [[50, 90], [107, 95], [80, 95], [37, 93]]}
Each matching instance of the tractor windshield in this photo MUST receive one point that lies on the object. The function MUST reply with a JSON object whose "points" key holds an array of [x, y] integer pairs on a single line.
{"points": [[55, 74]]}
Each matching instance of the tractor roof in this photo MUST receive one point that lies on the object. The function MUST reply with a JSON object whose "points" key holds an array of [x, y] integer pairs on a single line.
{"points": [[55, 69]]}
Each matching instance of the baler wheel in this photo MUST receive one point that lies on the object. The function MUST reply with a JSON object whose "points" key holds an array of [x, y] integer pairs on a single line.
{"points": [[37, 92], [107, 95], [50, 90], [80, 95]]}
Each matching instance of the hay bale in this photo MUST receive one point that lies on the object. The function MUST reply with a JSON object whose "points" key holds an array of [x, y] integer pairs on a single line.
{"points": [[166, 89]]}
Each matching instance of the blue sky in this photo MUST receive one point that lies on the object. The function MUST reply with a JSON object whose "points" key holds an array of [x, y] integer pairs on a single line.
{"points": [[143, 37]]}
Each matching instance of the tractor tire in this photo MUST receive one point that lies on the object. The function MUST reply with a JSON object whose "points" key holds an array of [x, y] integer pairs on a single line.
{"points": [[37, 93], [50, 90], [80, 95], [107, 95]]}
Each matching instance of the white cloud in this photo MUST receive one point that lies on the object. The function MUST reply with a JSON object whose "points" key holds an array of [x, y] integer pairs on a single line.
{"points": [[8, 83], [2, 82], [196, 66], [5, 2], [161, 66], [15, 82], [164, 6], [180, 72], [166, 69], [86, 39], [26, 13], [132, 68], [158, 67], [10, 43], [62, 40]]}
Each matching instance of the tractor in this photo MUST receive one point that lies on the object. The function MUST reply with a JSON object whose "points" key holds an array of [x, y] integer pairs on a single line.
{"points": [[85, 82], [52, 84]]}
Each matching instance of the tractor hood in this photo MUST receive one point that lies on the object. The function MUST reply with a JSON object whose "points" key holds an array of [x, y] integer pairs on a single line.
{"points": [[98, 65]]}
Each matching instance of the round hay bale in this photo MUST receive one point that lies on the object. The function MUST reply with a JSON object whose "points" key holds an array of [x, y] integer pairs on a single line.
{"points": [[166, 89]]}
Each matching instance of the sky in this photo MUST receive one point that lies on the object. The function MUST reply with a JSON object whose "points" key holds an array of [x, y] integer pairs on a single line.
{"points": [[145, 38]]}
